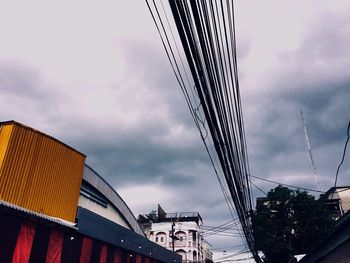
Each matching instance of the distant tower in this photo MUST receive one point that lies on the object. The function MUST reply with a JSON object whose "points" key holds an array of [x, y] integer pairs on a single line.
{"points": [[310, 152]]}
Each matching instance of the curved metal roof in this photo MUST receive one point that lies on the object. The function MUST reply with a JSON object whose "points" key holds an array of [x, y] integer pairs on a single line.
{"points": [[94, 179]]}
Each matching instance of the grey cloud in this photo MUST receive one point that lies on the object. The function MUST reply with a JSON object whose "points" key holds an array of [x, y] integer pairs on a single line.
{"points": [[327, 110], [327, 40], [27, 96], [153, 66], [137, 155], [278, 144], [322, 55], [313, 78], [134, 158], [19, 80], [274, 134]]}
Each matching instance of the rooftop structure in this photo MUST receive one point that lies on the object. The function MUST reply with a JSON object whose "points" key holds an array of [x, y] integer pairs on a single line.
{"points": [[338, 200], [55, 208], [334, 247], [179, 232]]}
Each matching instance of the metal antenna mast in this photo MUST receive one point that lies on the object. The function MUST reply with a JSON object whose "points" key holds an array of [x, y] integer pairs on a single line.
{"points": [[310, 152]]}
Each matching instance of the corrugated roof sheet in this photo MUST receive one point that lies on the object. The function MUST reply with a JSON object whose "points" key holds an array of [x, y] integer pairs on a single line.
{"points": [[39, 172], [28, 213]]}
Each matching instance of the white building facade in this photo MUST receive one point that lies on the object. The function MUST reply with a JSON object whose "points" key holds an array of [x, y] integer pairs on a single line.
{"points": [[180, 232]]}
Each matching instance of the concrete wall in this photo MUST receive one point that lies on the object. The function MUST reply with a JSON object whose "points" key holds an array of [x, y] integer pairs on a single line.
{"points": [[189, 248], [344, 195]]}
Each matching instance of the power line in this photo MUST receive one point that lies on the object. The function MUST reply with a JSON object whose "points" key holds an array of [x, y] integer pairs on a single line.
{"points": [[235, 260], [211, 197], [225, 248], [342, 160], [206, 30], [235, 254], [227, 230], [258, 188], [288, 185], [224, 225]]}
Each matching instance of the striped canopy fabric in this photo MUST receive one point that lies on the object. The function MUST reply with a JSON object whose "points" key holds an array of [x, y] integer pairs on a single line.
{"points": [[23, 240]]}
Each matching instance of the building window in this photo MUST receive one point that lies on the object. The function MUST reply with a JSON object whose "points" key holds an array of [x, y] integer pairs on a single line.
{"points": [[91, 193], [181, 236], [160, 237]]}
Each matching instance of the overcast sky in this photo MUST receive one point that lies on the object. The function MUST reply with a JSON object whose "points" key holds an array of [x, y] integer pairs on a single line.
{"points": [[94, 75]]}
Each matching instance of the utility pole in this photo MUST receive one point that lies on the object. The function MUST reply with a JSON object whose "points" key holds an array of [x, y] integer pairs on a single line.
{"points": [[173, 237]]}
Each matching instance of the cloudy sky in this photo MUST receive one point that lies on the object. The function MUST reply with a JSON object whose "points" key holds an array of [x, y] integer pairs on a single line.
{"points": [[94, 75]]}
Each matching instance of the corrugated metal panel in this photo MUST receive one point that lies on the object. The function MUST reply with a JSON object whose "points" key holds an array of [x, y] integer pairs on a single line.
{"points": [[18, 210], [38, 172]]}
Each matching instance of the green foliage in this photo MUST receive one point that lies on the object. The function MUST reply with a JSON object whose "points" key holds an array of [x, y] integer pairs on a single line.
{"points": [[288, 222]]}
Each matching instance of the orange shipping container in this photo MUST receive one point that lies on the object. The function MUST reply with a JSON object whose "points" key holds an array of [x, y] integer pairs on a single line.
{"points": [[39, 172]]}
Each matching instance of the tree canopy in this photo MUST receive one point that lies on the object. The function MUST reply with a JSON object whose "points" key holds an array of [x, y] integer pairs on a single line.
{"points": [[289, 222]]}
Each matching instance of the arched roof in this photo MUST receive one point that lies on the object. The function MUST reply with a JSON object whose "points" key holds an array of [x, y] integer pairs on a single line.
{"points": [[94, 179]]}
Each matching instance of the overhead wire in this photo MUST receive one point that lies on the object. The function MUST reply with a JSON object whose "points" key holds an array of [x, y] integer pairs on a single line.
{"points": [[220, 226], [177, 73], [207, 32], [225, 248], [288, 185], [228, 228], [258, 188], [235, 254], [344, 152]]}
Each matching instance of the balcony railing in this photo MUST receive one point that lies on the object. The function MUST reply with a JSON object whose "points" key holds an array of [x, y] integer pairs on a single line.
{"points": [[178, 244]]}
